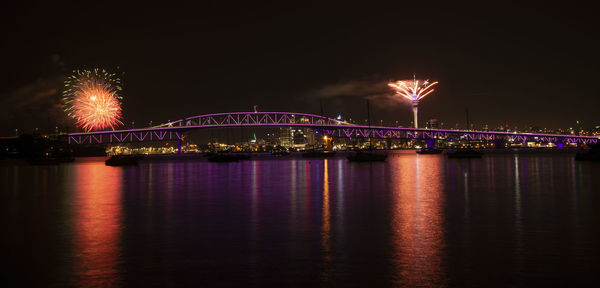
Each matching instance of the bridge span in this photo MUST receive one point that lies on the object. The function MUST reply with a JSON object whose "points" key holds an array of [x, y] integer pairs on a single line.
{"points": [[175, 130]]}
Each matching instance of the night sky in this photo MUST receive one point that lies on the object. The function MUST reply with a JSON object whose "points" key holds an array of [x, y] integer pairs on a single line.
{"points": [[525, 65]]}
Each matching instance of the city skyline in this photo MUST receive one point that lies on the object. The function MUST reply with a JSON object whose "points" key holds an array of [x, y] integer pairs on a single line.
{"points": [[283, 58], [299, 144]]}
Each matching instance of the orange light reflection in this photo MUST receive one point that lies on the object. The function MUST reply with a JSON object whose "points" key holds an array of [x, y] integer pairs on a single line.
{"points": [[326, 226], [418, 236], [97, 190]]}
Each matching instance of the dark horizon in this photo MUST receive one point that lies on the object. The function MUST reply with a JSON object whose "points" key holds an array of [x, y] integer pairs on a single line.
{"points": [[525, 65]]}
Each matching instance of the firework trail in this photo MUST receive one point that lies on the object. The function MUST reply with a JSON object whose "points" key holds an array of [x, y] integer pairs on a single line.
{"points": [[92, 98]]}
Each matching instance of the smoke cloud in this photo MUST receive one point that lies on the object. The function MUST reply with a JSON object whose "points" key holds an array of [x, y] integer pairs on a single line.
{"points": [[377, 91], [36, 105]]}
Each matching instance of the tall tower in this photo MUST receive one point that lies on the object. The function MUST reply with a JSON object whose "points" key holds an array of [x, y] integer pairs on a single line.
{"points": [[415, 105], [413, 90]]}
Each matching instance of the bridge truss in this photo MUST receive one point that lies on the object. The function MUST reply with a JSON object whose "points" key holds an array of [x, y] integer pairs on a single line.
{"points": [[175, 130], [453, 135]]}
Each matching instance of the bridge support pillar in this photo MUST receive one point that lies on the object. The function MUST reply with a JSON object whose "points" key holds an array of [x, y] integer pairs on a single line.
{"points": [[430, 142], [178, 146], [560, 144], [328, 143], [499, 143]]}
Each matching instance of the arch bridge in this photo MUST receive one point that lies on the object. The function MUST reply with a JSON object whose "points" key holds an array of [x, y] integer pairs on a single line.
{"points": [[175, 130]]}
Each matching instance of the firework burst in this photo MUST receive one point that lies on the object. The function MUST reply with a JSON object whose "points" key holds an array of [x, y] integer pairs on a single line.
{"points": [[413, 90], [92, 98]]}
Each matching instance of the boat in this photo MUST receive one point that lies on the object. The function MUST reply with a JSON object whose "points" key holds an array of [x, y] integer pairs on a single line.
{"points": [[587, 156], [122, 160], [225, 157], [43, 161], [243, 156], [465, 153], [318, 154], [280, 153], [430, 151], [361, 156], [593, 154], [66, 159]]}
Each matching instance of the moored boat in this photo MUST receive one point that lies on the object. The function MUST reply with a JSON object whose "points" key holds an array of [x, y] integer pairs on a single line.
{"points": [[280, 153], [227, 157], [122, 160], [465, 153], [43, 161], [593, 154], [430, 151], [361, 156], [318, 154]]}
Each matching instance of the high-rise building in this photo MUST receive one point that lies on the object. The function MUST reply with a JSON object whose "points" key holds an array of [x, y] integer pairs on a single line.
{"points": [[432, 124], [285, 137]]}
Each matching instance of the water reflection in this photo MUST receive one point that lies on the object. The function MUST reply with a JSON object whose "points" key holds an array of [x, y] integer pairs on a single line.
{"points": [[97, 219], [293, 195], [417, 216], [326, 226], [255, 194], [414, 220], [307, 197], [518, 218]]}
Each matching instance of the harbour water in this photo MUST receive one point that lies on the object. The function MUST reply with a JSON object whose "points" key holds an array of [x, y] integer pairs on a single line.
{"points": [[414, 220]]}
